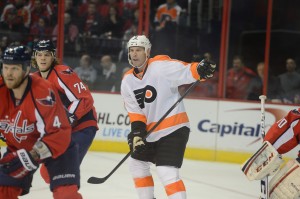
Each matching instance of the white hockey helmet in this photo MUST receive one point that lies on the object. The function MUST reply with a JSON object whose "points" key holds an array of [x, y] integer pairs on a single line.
{"points": [[139, 41]]}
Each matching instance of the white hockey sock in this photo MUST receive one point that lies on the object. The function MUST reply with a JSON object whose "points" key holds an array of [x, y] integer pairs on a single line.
{"points": [[174, 187], [142, 177]]}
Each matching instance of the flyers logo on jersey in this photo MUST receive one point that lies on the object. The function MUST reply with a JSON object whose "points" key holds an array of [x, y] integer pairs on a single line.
{"points": [[145, 95], [49, 100]]}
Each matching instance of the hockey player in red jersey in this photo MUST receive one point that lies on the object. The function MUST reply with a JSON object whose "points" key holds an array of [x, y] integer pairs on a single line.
{"points": [[36, 129], [283, 136], [75, 95], [149, 89]]}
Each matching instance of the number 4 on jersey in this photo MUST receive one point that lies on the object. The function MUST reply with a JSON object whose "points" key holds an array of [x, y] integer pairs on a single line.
{"points": [[56, 122]]}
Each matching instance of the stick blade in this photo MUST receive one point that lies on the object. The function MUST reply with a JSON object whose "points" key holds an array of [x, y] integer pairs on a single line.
{"points": [[95, 180]]}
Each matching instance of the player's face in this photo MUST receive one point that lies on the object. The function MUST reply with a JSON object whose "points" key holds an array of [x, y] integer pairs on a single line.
{"points": [[12, 75], [137, 55], [44, 59]]}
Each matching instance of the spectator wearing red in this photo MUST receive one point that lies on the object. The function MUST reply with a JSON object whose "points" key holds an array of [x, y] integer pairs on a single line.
{"points": [[40, 9], [92, 22], [83, 7], [40, 30], [22, 15], [238, 79], [104, 8]]}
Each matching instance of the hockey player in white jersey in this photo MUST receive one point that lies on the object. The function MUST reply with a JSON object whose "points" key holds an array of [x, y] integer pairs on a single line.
{"points": [[149, 89]]}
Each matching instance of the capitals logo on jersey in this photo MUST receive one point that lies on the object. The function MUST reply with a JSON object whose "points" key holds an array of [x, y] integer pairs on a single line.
{"points": [[18, 131], [49, 100], [145, 95], [67, 72]]}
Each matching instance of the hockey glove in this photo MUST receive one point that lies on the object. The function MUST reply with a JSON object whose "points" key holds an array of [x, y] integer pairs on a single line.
{"points": [[18, 164], [136, 142], [206, 69], [72, 119]]}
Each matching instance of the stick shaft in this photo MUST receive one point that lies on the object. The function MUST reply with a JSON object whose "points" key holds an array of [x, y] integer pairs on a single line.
{"points": [[264, 183], [95, 180]]}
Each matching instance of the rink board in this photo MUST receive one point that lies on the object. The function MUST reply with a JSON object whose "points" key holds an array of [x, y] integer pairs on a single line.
{"points": [[221, 130]]}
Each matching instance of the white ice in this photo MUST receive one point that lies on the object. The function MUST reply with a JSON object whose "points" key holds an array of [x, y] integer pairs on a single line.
{"points": [[203, 180]]}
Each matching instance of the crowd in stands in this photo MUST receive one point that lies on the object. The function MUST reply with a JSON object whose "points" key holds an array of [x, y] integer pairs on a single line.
{"points": [[243, 83], [97, 31]]}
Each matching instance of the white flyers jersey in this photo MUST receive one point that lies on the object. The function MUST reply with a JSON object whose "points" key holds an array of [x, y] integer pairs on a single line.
{"points": [[149, 97]]}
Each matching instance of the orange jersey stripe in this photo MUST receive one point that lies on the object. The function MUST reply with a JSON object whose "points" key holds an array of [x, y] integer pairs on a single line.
{"points": [[174, 187], [137, 117], [194, 70], [143, 182], [170, 121]]}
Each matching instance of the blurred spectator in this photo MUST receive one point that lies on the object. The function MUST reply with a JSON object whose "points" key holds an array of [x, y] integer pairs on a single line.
{"points": [[208, 56], [107, 79], [238, 79], [4, 43], [70, 33], [91, 23], [166, 22], [90, 28], [129, 7], [40, 30], [104, 8], [130, 32], [290, 81], [40, 9], [86, 72], [16, 17], [133, 18], [71, 9], [113, 24], [274, 90], [83, 7]]}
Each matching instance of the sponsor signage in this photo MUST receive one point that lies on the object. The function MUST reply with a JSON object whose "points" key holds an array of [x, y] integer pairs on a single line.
{"points": [[215, 124]]}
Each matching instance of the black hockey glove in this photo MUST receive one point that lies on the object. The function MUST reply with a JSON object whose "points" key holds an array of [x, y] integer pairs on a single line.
{"points": [[206, 69], [135, 141], [18, 164]]}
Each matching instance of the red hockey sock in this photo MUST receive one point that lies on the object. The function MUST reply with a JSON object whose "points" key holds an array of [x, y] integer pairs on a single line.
{"points": [[66, 192], [10, 192], [44, 173]]}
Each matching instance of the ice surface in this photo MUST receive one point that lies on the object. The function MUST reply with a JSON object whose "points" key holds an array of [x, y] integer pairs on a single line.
{"points": [[203, 180]]}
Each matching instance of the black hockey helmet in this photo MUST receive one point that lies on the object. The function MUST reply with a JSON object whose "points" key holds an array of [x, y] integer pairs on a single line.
{"points": [[44, 45], [17, 55]]}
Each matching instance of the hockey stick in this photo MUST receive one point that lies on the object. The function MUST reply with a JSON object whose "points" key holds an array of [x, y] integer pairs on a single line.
{"points": [[95, 180], [264, 183]]}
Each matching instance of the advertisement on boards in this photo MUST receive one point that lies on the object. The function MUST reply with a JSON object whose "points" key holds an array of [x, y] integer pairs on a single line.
{"points": [[215, 124]]}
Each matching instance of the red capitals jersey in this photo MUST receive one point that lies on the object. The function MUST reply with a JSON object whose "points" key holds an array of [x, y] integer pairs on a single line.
{"points": [[39, 115], [75, 96], [284, 135]]}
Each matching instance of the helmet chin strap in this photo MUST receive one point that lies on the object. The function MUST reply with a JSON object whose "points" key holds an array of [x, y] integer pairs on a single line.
{"points": [[141, 66]]}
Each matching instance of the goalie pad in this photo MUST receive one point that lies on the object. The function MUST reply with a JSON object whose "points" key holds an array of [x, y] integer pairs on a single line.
{"points": [[263, 163], [286, 183]]}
